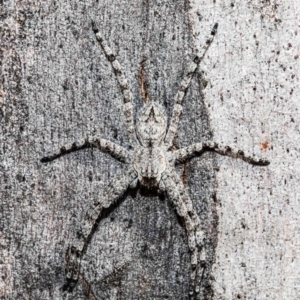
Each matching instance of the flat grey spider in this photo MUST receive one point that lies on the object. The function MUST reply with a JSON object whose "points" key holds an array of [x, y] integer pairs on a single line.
{"points": [[152, 164]]}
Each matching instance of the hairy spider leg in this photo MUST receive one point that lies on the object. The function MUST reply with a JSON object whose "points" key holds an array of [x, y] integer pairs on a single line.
{"points": [[103, 145], [187, 153], [175, 198], [115, 190], [184, 86], [199, 234], [198, 149], [127, 107]]}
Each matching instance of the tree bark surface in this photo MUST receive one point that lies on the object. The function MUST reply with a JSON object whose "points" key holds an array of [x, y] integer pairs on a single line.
{"points": [[57, 87]]}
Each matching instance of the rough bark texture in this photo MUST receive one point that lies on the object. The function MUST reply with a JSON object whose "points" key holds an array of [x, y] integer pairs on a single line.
{"points": [[57, 87], [252, 99]]}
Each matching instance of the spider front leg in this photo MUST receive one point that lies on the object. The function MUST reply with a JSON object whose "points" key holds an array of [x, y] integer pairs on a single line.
{"points": [[127, 108], [103, 145], [115, 190], [184, 86], [198, 149], [174, 196]]}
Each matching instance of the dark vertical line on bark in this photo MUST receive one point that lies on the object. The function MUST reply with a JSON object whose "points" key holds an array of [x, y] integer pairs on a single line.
{"points": [[143, 81], [142, 74]]}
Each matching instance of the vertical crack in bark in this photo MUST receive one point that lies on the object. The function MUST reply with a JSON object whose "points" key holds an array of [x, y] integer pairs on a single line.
{"points": [[146, 3], [143, 81], [142, 72]]}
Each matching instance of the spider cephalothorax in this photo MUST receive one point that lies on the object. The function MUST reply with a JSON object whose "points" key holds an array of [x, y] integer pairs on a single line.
{"points": [[151, 126], [152, 164], [150, 160]]}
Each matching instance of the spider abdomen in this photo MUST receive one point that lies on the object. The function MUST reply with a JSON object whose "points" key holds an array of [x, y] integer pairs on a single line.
{"points": [[150, 163]]}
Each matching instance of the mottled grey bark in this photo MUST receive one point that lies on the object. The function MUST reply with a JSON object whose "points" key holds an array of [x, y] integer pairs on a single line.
{"points": [[57, 87], [252, 99]]}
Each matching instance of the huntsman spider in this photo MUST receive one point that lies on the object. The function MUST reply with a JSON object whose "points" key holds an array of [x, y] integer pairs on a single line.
{"points": [[151, 164]]}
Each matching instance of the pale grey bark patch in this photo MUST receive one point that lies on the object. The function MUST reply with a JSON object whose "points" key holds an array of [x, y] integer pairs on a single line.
{"points": [[253, 100], [56, 88]]}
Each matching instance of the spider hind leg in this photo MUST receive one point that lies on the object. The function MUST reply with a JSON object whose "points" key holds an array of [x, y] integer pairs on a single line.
{"points": [[175, 197], [116, 189]]}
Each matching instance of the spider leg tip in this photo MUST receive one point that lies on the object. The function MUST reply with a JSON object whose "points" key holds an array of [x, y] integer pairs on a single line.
{"points": [[264, 162], [69, 284], [94, 27], [215, 28], [45, 159]]}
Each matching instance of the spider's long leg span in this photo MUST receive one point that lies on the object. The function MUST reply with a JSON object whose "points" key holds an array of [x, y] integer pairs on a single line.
{"points": [[175, 197], [116, 189], [128, 109], [184, 86], [199, 148], [199, 235], [103, 145]]}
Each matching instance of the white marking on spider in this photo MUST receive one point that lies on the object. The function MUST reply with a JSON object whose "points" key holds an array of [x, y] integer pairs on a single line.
{"points": [[152, 165]]}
